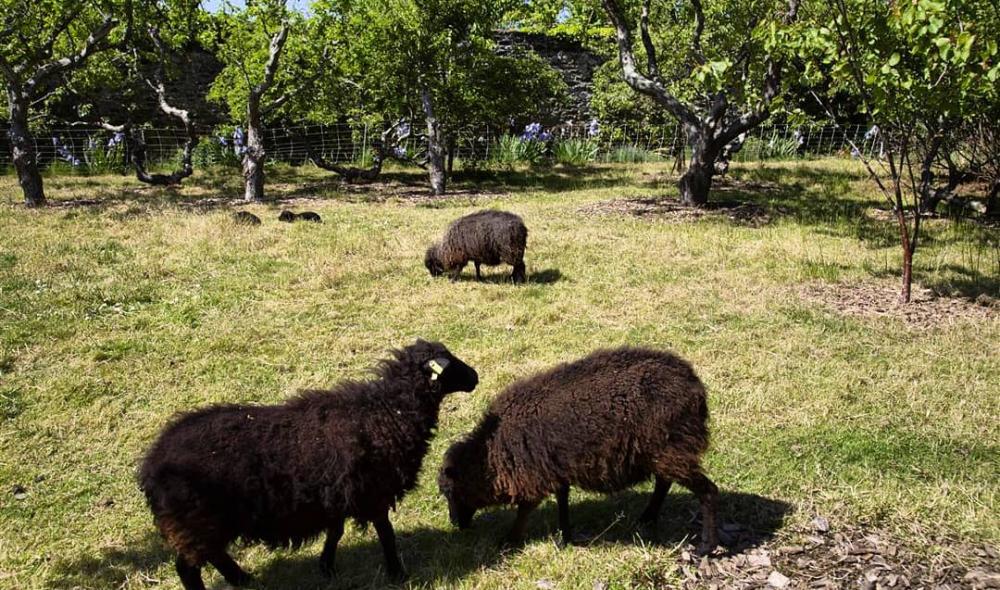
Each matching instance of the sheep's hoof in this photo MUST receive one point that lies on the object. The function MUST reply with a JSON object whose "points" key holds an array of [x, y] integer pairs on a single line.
{"points": [[398, 576], [327, 570], [508, 544]]}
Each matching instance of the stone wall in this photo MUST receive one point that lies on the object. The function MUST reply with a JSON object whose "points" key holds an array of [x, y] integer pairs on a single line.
{"points": [[570, 58]]}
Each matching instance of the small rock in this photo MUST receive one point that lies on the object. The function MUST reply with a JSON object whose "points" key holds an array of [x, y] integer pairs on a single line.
{"points": [[19, 492], [777, 580], [821, 524], [685, 555], [980, 578], [891, 580], [599, 585], [992, 552], [545, 585], [791, 549], [759, 561]]}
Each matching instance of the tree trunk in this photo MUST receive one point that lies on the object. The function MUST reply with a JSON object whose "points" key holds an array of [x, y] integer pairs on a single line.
{"points": [[451, 157], [993, 200], [254, 156], [22, 147], [435, 149], [904, 296], [697, 180]]}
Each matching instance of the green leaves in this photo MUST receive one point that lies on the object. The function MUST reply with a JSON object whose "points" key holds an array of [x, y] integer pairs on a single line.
{"points": [[919, 59]]}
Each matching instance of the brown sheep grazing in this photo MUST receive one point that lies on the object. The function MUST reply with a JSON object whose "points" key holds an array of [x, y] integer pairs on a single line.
{"points": [[284, 474], [603, 423], [245, 218], [290, 216], [485, 237]]}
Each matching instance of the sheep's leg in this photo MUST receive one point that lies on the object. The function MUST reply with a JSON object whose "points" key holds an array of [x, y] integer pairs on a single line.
{"points": [[190, 575], [516, 534], [229, 569], [708, 495], [519, 275], [327, 558], [562, 497], [652, 511], [388, 539], [479, 276]]}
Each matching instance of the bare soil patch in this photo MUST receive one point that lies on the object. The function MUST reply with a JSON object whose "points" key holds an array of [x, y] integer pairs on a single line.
{"points": [[738, 212], [881, 299], [816, 557]]}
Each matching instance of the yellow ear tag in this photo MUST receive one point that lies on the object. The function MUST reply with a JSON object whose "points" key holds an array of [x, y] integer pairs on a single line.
{"points": [[436, 368]]}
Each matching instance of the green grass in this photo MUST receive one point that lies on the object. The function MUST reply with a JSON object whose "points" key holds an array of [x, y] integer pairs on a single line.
{"points": [[113, 318]]}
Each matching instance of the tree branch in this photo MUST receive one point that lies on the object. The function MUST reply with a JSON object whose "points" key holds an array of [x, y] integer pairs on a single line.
{"points": [[73, 61], [271, 67], [653, 65], [634, 78], [772, 86], [699, 27]]}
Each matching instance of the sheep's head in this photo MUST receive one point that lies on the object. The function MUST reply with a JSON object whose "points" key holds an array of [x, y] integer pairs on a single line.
{"points": [[432, 260], [286, 216], [444, 369], [463, 479]]}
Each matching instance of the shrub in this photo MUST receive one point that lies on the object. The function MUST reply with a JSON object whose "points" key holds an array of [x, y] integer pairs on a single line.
{"points": [[214, 151]]}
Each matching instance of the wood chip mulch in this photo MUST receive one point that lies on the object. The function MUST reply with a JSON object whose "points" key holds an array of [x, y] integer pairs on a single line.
{"points": [[738, 212], [846, 557], [881, 299]]}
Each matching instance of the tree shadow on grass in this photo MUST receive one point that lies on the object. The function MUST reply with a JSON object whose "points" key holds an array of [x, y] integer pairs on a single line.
{"points": [[952, 280]]}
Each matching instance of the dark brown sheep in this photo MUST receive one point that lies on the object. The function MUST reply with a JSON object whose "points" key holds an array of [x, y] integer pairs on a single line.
{"points": [[603, 423], [245, 218], [484, 237], [284, 474], [290, 216]]}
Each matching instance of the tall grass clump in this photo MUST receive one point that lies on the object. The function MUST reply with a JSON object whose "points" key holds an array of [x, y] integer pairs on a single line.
{"points": [[575, 152], [511, 149], [774, 148], [631, 154]]}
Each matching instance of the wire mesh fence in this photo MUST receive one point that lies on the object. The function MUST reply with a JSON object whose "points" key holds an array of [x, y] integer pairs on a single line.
{"points": [[99, 149]]}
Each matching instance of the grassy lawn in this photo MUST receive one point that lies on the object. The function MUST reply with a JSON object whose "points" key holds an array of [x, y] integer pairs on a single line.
{"points": [[113, 318]]}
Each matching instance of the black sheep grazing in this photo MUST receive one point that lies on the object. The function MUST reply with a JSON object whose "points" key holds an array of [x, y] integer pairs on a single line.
{"points": [[604, 423], [484, 237], [286, 473], [245, 218], [289, 217]]}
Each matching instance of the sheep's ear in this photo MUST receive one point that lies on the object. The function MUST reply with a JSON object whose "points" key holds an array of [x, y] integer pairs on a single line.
{"points": [[436, 366]]}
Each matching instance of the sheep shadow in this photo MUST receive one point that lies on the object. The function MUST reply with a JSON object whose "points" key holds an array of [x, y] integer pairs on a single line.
{"points": [[112, 567], [436, 557], [747, 520], [541, 277]]}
